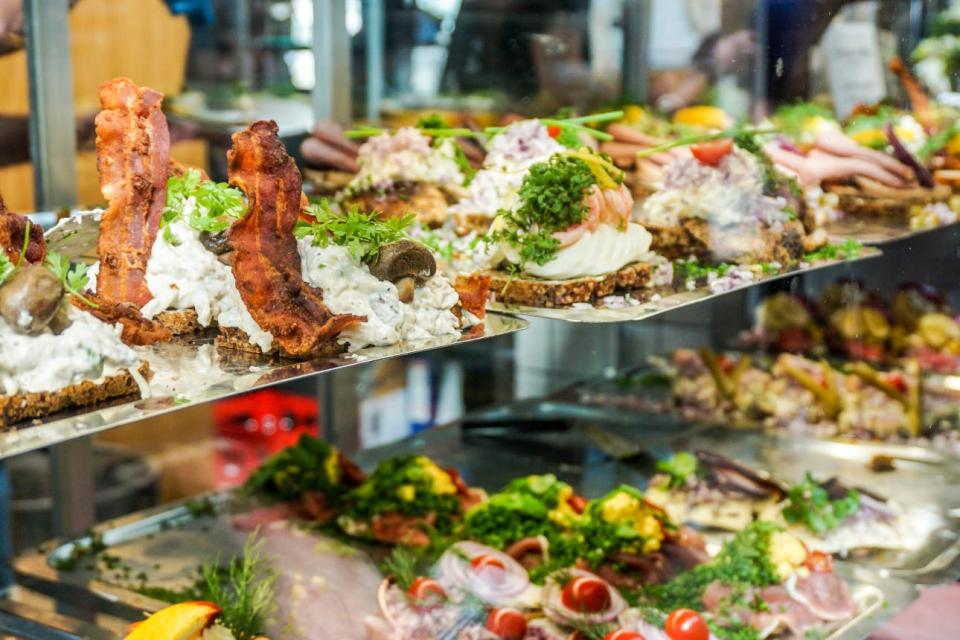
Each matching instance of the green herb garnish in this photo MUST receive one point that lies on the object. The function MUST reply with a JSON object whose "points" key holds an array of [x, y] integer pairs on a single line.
{"points": [[693, 269], [74, 278], [551, 198], [309, 465], [217, 204], [843, 251], [679, 467], [401, 566], [811, 506], [243, 590], [362, 234], [937, 142], [6, 267]]}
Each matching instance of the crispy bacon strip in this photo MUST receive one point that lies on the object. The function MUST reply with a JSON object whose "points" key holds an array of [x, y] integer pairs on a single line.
{"points": [[137, 330], [266, 265], [474, 290], [12, 229], [133, 149]]}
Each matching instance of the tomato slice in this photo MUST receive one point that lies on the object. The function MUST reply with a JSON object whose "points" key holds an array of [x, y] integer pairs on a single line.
{"points": [[508, 624], [712, 152], [586, 595], [686, 624], [553, 130], [577, 503], [623, 634], [425, 589], [819, 562]]}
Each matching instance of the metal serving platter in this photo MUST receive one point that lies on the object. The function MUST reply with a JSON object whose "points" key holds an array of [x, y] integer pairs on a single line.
{"points": [[661, 302], [875, 232], [195, 371], [591, 453]]}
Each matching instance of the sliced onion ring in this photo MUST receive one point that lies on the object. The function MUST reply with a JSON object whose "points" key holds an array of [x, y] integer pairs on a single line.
{"points": [[555, 609], [456, 573]]}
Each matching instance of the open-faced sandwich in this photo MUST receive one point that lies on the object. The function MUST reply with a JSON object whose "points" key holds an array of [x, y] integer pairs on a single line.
{"points": [[568, 238], [408, 501], [712, 491], [408, 171], [725, 203], [54, 353]]}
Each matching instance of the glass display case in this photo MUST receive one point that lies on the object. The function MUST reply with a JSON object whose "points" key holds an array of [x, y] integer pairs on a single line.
{"points": [[612, 319]]}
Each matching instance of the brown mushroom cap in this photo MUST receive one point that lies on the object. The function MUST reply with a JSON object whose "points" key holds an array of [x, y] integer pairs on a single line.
{"points": [[30, 299], [404, 259]]}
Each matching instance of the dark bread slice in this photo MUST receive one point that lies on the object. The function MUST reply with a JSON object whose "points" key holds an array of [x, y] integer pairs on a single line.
{"points": [[29, 405], [238, 340], [534, 292], [180, 323], [696, 238], [888, 208]]}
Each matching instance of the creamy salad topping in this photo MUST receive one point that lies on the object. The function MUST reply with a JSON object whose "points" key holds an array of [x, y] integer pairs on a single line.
{"points": [[729, 194], [349, 287], [509, 156], [406, 156], [86, 350]]}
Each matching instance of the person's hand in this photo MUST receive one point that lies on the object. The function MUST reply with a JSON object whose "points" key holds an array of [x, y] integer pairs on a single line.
{"points": [[328, 148], [11, 25], [627, 142]]}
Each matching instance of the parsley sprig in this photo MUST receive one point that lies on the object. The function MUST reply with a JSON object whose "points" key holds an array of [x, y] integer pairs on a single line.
{"points": [[811, 506], [73, 277], [362, 234], [217, 204], [846, 250], [6, 267]]}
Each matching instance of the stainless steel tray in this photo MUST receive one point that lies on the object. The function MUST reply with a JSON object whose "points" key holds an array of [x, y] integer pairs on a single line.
{"points": [[194, 371], [875, 232], [662, 302], [167, 543]]}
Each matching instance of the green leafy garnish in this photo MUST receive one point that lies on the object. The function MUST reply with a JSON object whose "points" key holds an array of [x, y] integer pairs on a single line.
{"points": [[243, 590], [679, 467], [937, 142], [309, 465], [74, 278], [217, 204], [362, 234], [551, 199], [811, 506], [6, 267], [620, 521], [401, 566], [872, 123], [843, 251], [793, 119]]}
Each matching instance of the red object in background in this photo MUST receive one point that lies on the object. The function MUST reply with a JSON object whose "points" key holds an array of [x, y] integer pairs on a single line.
{"points": [[255, 425]]}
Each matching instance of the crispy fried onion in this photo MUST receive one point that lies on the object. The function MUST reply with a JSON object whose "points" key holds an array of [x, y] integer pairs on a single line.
{"points": [[12, 230], [133, 149], [266, 264]]}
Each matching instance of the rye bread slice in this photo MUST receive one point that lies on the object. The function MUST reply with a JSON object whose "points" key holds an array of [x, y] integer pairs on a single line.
{"points": [[40, 404], [534, 292], [238, 340], [745, 244], [856, 203]]}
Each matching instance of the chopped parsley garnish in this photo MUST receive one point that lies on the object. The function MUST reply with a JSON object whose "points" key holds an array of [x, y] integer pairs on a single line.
{"points": [[843, 251], [693, 269], [679, 467], [744, 561], [551, 200], [867, 128], [811, 506], [74, 278], [217, 204], [620, 521], [309, 465], [774, 182], [362, 234], [937, 142]]}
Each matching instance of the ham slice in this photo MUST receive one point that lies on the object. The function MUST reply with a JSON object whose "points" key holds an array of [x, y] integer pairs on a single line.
{"points": [[133, 150], [825, 594]]}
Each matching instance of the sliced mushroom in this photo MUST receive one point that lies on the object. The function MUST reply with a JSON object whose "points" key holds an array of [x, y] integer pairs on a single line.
{"points": [[215, 243], [406, 264], [30, 299]]}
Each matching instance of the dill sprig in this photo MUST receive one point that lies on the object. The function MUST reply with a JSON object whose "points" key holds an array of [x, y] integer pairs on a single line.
{"points": [[243, 589], [362, 234], [401, 566]]}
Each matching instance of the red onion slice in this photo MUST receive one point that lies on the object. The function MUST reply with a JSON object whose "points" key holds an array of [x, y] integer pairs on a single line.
{"points": [[901, 153], [555, 609], [491, 584]]}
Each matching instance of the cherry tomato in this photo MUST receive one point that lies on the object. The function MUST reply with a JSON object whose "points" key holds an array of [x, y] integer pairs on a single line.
{"points": [[896, 380], [819, 562], [586, 595], [553, 130], [422, 589], [623, 634], [577, 503], [508, 624], [711, 153], [686, 624]]}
